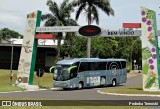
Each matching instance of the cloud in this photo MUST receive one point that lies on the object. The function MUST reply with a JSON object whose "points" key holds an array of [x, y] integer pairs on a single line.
{"points": [[11, 19], [13, 14]]}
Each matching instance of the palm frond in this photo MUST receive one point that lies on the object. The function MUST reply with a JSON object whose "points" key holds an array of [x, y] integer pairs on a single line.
{"points": [[89, 15], [104, 5], [63, 5], [53, 7], [50, 22], [70, 22], [80, 9], [95, 15], [77, 3], [46, 16]]}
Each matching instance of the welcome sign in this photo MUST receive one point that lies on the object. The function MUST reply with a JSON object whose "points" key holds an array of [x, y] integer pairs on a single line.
{"points": [[28, 50], [150, 54]]}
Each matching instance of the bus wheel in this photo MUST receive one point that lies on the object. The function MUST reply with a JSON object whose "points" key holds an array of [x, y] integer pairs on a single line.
{"points": [[114, 82], [80, 85]]}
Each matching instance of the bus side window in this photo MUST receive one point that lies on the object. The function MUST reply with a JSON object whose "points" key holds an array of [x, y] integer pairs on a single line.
{"points": [[97, 66], [84, 66], [109, 65], [116, 64], [102, 65], [123, 64], [76, 69], [73, 72], [94, 66]]}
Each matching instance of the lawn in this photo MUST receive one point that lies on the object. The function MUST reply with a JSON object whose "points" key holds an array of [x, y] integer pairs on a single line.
{"points": [[6, 85], [135, 90]]}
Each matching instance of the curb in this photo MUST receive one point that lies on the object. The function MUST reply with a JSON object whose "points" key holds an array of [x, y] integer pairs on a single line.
{"points": [[135, 75], [143, 95], [23, 91]]}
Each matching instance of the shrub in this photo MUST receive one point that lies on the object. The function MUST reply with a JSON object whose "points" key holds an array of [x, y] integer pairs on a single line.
{"points": [[128, 70]]}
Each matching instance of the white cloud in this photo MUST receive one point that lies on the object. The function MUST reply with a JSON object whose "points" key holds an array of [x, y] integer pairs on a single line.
{"points": [[13, 13], [11, 19]]}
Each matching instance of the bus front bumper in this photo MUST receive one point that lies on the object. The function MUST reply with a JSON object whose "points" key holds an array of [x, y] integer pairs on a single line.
{"points": [[63, 84]]}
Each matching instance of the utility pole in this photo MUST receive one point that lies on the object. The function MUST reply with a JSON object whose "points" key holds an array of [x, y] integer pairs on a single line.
{"points": [[11, 73]]}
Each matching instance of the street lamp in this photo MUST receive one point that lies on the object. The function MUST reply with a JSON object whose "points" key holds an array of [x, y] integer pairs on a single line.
{"points": [[132, 50], [11, 73], [134, 64]]}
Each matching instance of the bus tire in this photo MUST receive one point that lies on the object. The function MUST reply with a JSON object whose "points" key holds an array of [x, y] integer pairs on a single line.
{"points": [[80, 85], [114, 82]]}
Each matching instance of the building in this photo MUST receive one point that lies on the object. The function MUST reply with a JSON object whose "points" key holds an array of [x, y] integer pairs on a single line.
{"points": [[46, 53]]}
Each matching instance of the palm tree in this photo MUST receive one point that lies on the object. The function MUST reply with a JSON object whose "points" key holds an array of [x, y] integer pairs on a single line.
{"points": [[59, 16], [91, 10]]}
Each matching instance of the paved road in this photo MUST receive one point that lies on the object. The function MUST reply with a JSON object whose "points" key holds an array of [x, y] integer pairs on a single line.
{"points": [[85, 94]]}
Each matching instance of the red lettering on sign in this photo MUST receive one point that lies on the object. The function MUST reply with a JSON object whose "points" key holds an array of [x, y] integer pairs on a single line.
{"points": [[90, 31]]}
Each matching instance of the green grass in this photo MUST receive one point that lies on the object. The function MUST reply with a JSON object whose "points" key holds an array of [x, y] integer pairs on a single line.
{"points": [[8, 88], [46, 81], [6, 85], [136, 90]]}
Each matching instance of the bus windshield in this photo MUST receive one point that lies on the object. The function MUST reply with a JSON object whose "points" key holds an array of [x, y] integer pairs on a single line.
{"points": [[61, 73]]}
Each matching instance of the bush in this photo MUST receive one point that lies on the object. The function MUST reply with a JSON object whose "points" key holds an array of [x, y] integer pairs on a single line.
{"points": [[128, 70]]}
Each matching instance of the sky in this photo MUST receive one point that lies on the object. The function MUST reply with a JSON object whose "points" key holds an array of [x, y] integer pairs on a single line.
{"points": [[13, 13]]}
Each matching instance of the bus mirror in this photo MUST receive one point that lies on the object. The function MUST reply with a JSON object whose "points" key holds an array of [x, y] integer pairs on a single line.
{"points": [[51, 70], [71, 68]]}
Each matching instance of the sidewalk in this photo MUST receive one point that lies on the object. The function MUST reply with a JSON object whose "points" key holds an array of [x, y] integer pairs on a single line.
{"points": [[133, 73]]}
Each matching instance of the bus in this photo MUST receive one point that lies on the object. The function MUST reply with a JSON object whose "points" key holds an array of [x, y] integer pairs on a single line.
{"points": [[88, 72]]}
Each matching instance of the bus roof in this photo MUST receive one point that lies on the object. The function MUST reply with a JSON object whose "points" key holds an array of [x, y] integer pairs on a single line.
{"points": [[74, 60]]}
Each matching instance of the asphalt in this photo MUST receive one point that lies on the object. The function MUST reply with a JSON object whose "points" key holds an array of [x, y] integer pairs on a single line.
{"points": [[85, 94]]}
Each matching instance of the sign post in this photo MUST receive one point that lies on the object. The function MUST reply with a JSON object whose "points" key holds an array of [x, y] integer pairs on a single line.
{"points": [[39, 74], [28, 51], [150, 52]]}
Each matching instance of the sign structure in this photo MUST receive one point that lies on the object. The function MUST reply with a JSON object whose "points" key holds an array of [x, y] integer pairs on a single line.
{"points": [[131, 25], [121, 33], [58, 29], [40, 72], [44, 36], [150, 52], [84, 31], [28, 51], [89, 31]]}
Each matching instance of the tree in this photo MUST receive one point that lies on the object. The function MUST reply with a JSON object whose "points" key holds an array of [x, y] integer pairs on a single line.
{"points": [[101, 47], [75, 48], [92, 14], [59, 16], [6, 34], [128, 48]]}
